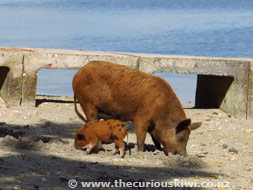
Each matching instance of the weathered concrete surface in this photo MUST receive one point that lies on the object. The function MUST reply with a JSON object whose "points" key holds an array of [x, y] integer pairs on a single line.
{"points": [[234, 101], [62, 59], [11, 77], [250, 93], [222, 82]]}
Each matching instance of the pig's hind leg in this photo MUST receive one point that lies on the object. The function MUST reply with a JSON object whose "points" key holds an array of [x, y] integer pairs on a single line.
{"points": [[98, 146], [119, 145], [91, 112]]}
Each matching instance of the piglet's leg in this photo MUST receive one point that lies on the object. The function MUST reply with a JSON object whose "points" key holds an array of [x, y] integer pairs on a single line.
{"points": [[115, 150], [98, 146], [91, 146], [121, 147], [122, 151]]}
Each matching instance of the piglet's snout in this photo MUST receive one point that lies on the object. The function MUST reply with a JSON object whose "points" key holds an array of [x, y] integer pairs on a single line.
{"points": [[77, 147]]}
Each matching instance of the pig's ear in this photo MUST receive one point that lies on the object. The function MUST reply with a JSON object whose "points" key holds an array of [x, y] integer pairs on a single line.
{"points": [[183, 125], [196, 125]]}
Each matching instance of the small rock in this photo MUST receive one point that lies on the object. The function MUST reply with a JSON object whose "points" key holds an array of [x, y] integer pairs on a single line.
{"points": [[9, 140], [43, 179], [213, 176], [247, 169], [22, 155], [233, 150], [63, 179], [202, 144], [58, 141], [248, 131], [45, 139], [19, 178], [46, 123], [201, 156]]}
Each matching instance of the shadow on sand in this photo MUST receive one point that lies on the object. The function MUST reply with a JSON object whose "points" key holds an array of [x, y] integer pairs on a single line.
{"points": [[29, 167]]}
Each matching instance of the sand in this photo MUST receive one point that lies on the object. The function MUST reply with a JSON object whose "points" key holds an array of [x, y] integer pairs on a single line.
{"points": [[37, 152]]}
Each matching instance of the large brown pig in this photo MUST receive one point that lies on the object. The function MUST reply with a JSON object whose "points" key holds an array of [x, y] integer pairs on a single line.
{"points": [[129, 94]]}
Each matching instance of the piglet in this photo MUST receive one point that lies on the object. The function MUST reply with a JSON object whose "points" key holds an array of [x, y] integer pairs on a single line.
{"points": [[109, 131]]}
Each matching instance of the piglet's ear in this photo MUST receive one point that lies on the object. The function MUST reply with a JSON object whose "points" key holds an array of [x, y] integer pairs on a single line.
{"points": [[183, 125]]}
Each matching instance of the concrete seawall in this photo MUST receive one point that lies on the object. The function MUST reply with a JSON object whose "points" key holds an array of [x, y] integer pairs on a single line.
{"points": [[225, 83]]}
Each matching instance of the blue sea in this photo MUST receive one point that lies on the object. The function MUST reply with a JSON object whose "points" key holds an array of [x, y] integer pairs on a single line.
{"points": [[222, 28]]}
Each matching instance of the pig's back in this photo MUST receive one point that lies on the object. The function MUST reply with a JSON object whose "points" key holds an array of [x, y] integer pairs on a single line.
{"points": [[119, 90]]}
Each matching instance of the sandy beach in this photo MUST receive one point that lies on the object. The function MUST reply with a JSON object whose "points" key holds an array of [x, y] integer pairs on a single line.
{"points": [[37, 152]]}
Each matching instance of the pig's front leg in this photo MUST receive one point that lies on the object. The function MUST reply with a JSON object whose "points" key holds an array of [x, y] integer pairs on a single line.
{"points": [[90, 147]]}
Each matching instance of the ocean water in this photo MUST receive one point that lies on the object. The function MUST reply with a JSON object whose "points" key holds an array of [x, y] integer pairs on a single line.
{"points": [[222, 28]]}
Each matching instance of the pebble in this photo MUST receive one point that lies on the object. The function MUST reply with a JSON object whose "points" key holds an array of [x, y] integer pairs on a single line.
{"points": [[233, 150], [43, 179], [63, 179], [247, 169], [202, 144], [213, 176], [215, 113], [186, 164]]}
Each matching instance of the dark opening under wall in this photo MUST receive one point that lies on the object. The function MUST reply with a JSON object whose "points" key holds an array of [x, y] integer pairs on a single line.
{"points": [[211, 90], [3, 79]]}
